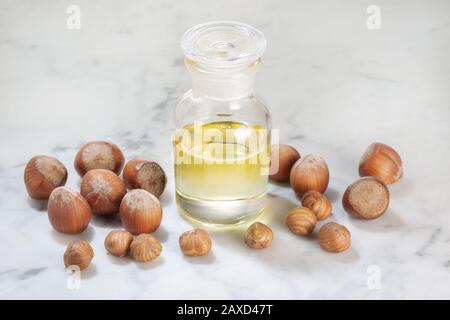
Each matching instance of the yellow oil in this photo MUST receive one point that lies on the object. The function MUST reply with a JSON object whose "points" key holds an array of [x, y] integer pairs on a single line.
{"points": [[221, 170]]}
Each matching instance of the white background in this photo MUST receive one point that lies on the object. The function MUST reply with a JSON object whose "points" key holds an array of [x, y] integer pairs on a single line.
{"points": [[333, 87]]}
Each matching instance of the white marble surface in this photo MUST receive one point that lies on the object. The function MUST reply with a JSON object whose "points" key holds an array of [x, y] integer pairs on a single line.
{"points": [[333, 87]]}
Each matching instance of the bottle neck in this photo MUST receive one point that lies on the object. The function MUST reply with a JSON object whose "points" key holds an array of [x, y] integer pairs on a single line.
{"points": [[214, 84]]}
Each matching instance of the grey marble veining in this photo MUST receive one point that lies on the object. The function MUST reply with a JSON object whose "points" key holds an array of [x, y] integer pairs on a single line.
{"points": [[333, 87]]}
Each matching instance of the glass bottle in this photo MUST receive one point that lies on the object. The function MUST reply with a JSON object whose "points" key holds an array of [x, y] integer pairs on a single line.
{"points": [[222, 137]]}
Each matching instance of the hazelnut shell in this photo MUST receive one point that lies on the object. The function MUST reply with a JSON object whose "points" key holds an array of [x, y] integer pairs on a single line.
{"points": [[309, 173], [118, 242], [68, 211], [145, 174], [195, 242], [301, 221], [367, 198], [334, 237], [42, 175], [99, 155], [78, 253], [258, 236], [381, 161], [140, 212], [103, 190], [145, 248], [317, 203]]}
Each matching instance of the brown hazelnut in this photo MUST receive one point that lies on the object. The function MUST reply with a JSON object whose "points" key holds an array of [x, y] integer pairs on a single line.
{"points": [[43, 174], [145, 248], [78, 253], [195, 242], [145, 174], [367, 198], [140, 212], [382, 162], [258, 236], [334, 237], [285, 156], [309, 173], [68, 211], [301, 221], [99, 155], [317, 203], [118, 242], [103, 190]]}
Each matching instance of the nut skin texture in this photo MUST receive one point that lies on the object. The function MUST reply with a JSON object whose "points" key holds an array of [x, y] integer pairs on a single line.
{"points": [[99, 155], [42, 175], [195, 243], [367, 198], [140, 212], [309, 173], [258, 236], [118, 242], [334, 237], [287, 156], [381, 161], [68, 211], [301, 221], [145, 174], [317, 203], [145, 248], [78, 253], [103, 190]]}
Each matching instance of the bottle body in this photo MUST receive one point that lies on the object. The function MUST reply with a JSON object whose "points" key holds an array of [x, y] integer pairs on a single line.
{"points": [[221, 165]]}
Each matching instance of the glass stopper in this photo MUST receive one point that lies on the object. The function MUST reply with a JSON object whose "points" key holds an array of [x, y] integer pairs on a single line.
{"points": [[223, 44]]}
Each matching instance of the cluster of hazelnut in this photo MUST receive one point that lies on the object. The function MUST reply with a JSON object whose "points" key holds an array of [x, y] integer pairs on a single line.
{"points": [[367, 198], [104, 193]]}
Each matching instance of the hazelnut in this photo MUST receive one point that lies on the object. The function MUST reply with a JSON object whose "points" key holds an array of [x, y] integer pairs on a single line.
{"points": [[258, 236], [195, 242], [309, 173], [145, 248], [317, 203], [42, 175], [99, 155], [68, 211], [78, 253], [301, 221], [140, 212], [145, 174], [103, 190], [334, 237], [117, 242], [285, 156], [367, 198], [382, 162]]}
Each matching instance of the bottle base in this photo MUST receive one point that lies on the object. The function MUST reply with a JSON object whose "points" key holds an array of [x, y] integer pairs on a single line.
{"points": [[220, 213]]}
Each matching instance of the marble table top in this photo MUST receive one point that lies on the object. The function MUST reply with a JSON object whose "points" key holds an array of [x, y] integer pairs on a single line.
{"points": [[333, 87]]}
